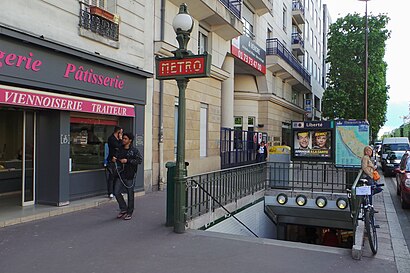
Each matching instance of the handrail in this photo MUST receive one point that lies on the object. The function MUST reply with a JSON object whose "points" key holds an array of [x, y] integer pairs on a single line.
{"points": [[222, 206], [355, 201]]}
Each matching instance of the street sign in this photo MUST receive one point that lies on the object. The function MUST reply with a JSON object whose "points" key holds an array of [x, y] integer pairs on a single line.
{"points": [[194, 66]]}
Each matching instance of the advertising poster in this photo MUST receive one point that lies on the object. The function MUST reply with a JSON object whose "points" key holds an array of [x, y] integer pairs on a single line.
{"points": [[351, 138], [313, 140]]}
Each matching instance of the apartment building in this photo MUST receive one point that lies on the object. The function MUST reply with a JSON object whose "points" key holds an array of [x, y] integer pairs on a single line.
{"points": [[267, 70], [69, 72]]}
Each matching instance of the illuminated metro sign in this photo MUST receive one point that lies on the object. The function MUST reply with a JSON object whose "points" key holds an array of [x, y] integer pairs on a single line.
{"points": [[195, 66]]}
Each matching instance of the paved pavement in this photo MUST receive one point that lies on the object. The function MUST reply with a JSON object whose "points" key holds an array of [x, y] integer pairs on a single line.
{"points": [[93, 240]]}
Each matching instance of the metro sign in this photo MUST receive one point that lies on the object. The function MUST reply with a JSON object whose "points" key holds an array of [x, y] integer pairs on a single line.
{"points": [[195, 66]]}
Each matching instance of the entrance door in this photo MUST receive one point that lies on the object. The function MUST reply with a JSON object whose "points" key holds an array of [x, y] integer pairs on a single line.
{"points": [[28, 168], [17, 142]]}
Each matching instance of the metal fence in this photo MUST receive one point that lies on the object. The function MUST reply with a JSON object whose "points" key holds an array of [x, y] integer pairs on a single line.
{"points": [[310, 176], [206, 192], [209, 191]]}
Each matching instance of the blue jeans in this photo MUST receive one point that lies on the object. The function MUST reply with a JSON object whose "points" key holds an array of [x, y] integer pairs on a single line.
{"points": [[118, 188], [375, 187]]}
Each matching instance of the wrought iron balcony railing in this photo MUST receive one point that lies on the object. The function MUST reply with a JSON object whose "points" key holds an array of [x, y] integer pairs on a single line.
{"points": [[297, 5], [275, 47], [297, 39], [98, 24], [234, 6]]}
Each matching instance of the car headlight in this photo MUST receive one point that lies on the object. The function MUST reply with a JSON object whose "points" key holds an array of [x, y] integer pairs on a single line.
{"points": [[407, 183]]}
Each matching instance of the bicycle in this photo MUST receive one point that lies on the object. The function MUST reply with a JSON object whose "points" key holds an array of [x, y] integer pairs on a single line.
{"points": [[367, 211]]}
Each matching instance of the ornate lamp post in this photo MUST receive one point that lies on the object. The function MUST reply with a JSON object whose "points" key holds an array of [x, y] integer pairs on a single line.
{"points": [[183, 66], [366, 59], [182, 25]]}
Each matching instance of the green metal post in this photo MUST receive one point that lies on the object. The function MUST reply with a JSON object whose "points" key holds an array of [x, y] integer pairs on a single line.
{"points": [[179, 223]]}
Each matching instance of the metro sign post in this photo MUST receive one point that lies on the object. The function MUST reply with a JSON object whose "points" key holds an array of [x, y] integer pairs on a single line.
{"points": [[182, 67]]}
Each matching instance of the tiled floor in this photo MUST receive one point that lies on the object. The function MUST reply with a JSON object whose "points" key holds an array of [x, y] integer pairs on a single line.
{"points": [[11, 212]]}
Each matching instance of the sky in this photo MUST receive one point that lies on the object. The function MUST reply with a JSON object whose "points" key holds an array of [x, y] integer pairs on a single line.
{"points": [[397, 57]]}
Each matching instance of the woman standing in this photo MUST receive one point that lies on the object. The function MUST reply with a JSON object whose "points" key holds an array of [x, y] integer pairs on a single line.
{"points": [[368, 168]]}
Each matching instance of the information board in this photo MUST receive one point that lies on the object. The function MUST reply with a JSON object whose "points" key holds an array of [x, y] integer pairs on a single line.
{"points": [[351, 138]]}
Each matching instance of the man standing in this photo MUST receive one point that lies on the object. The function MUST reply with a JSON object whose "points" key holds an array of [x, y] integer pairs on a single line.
{"points": [[128, 159], [262, 152], [114, 144]]}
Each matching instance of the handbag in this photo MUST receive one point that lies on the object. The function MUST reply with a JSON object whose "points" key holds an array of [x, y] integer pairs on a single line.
{"points": [[376, 175]]}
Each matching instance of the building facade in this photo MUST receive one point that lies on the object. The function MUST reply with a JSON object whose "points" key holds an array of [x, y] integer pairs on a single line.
{"points": [[267, 70], [89, 65]]}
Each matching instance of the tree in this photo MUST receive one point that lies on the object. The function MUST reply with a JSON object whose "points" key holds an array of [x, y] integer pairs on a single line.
{"points": [[344, 96]]}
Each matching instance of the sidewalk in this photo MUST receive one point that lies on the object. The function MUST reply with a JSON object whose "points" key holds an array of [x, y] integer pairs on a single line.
{"points": [[93, 240]]}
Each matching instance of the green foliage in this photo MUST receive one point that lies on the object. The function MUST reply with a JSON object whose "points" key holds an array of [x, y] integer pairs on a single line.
{"points": [[344, 96]]}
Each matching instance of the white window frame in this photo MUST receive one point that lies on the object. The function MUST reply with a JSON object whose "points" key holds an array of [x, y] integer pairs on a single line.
{"points": [[109, 5], [203, 40]]}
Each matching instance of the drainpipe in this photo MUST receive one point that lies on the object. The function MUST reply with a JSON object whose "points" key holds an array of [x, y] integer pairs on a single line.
{"points": [[161, 182]]}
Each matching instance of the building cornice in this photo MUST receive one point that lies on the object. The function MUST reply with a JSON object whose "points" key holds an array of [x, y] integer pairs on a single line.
{"points": [[268, 97]]}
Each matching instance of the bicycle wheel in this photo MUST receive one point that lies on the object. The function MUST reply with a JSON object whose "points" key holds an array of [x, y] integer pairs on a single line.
{"points": [[371, 229]]}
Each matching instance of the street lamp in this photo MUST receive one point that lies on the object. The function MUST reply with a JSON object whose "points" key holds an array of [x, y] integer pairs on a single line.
{"points": [[182, 25], [366, 58]]}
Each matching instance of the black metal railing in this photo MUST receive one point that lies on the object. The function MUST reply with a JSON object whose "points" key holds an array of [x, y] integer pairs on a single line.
{"points": [[234, 6], [209, 191], [98, 24], [223, 186], [310, 177], [297, 39], [275, 47], [297, 5]]}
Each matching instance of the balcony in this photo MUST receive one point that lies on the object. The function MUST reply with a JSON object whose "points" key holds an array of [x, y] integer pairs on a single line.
{"points": [[261, 6], [222, 16], [298, 44], [100, 22], [283, 64], [298, 12]]}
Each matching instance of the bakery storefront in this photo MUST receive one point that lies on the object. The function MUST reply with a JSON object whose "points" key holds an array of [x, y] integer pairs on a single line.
{"points": [[58, 106]]}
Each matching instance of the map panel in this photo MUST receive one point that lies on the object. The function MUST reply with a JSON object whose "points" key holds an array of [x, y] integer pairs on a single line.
{"points": [[351, 138]]}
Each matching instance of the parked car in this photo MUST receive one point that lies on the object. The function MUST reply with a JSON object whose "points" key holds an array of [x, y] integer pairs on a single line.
{"points": [[392, 162], [403, 181]]}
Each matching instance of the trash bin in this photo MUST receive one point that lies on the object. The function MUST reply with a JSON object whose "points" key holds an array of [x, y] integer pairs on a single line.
{"points": [[171, 173], [279, 158]]}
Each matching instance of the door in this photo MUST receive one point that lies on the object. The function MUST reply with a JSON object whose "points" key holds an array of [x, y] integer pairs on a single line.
{"points": [[28, 152]]}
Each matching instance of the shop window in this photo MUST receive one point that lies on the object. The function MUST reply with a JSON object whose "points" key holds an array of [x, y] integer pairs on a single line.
{"points": [[88, 137]]}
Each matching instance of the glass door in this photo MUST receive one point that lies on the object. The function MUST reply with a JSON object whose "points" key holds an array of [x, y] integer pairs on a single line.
{"points": [[28, 152]]}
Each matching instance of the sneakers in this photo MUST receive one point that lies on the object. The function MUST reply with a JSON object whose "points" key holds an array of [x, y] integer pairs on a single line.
{"points": [[122, 214], [128, 217], [111, 195]]}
